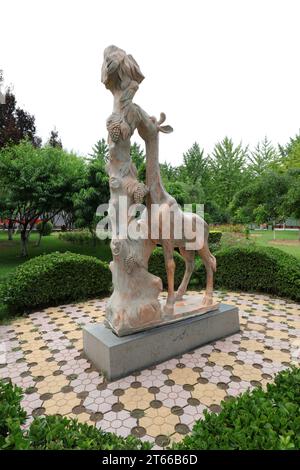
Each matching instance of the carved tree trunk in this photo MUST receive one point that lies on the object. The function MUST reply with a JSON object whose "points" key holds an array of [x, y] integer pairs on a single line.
{"points": [[134, 303]]}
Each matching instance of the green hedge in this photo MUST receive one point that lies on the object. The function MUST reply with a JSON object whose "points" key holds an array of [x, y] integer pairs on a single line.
{"points": [[259, 269], [256, 420], [53, 279], [80, 237], [157, 267], [52, 432]]}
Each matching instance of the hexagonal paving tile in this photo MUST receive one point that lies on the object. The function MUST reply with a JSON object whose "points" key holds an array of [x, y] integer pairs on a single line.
{"points": [[159, 421], [44, 356]]}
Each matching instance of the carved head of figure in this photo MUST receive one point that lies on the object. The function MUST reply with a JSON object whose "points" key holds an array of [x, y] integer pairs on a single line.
{"points": [[120, 70]]}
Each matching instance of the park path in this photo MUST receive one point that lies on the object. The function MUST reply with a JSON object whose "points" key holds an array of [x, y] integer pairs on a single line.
{"points": [[43, 355]]}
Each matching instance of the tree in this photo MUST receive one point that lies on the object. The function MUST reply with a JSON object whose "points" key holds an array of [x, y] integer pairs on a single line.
{"points": [[95, 190], [139, 159], [169, 172], [37, 182], [228, 170], [137, 155], [286, 149], [292, 159], [15, 123], [262, 200], [195, 167], [262, 157], [54, 140], [291, 201], [100, 152]]}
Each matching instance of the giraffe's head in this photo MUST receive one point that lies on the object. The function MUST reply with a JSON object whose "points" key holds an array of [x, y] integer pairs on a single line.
{"points": [[164, 129]]}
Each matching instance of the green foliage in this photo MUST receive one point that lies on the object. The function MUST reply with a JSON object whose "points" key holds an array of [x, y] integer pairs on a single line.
{"points": [[53, 279], [262, 157], [157, 267], [292, 199], [179, 190], [44, 228], [195, 166], [35, 182], [262, 200], [94, 190], [228, 167], [12, 416], [81, 237], [260, 269], [137, 155], [58, 433], [53, 432], [256, 420], [100, 152]]}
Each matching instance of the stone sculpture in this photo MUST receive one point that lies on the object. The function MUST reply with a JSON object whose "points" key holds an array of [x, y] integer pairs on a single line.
{"points": [[134, 304]]}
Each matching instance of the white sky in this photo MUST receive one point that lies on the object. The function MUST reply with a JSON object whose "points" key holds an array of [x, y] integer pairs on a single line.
{"points": [[215, 67]]}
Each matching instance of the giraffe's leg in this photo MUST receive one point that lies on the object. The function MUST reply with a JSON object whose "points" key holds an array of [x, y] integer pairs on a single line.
{"points": [[189, 258], [170, 268], [210, 265]]}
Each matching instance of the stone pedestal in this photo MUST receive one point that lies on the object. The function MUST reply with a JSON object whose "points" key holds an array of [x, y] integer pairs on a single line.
{"points": [[119, 356]]}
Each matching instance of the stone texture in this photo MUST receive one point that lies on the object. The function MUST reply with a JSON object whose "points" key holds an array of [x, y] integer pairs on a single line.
{"points": [[134, 304], [117, 357]]}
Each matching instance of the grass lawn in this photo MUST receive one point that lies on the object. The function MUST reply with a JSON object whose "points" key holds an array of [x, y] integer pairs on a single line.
{"points": [[285, 240], [10, 250]]}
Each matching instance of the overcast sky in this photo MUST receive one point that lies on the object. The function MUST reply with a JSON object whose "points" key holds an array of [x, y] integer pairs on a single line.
{"points": [[215, 67]]}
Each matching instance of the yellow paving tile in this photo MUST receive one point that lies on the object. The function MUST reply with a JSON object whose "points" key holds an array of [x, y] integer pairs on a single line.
{"points": [[134, 398], [208, 394], [159, 421], [61, 403], [52, 384], [184, 376], [222, 358], [247, 372], [277, 355]]}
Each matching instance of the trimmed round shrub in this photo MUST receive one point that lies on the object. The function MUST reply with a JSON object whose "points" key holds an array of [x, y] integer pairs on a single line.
{"points": [[44, 228], [157, 267], [55, 278], [260, 269]]}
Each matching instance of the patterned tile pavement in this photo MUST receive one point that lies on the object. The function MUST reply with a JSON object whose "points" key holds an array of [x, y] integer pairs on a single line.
{"points": [[43, 354]]}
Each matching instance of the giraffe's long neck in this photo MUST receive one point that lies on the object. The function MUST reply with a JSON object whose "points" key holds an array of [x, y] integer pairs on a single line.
{"points": [[153, 178]]}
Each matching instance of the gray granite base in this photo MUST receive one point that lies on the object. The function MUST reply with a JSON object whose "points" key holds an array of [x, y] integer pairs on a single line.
{"points": [[117, 356]]}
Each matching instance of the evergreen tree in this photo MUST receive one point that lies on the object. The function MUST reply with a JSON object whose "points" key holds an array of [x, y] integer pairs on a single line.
{"points": [[228, 164], [286, 149], [262, 157], [100, 152], [195, 164]]}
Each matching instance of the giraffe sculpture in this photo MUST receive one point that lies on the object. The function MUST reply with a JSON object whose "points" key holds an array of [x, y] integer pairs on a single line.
{"points": [[134, 303], [168, 209]]}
